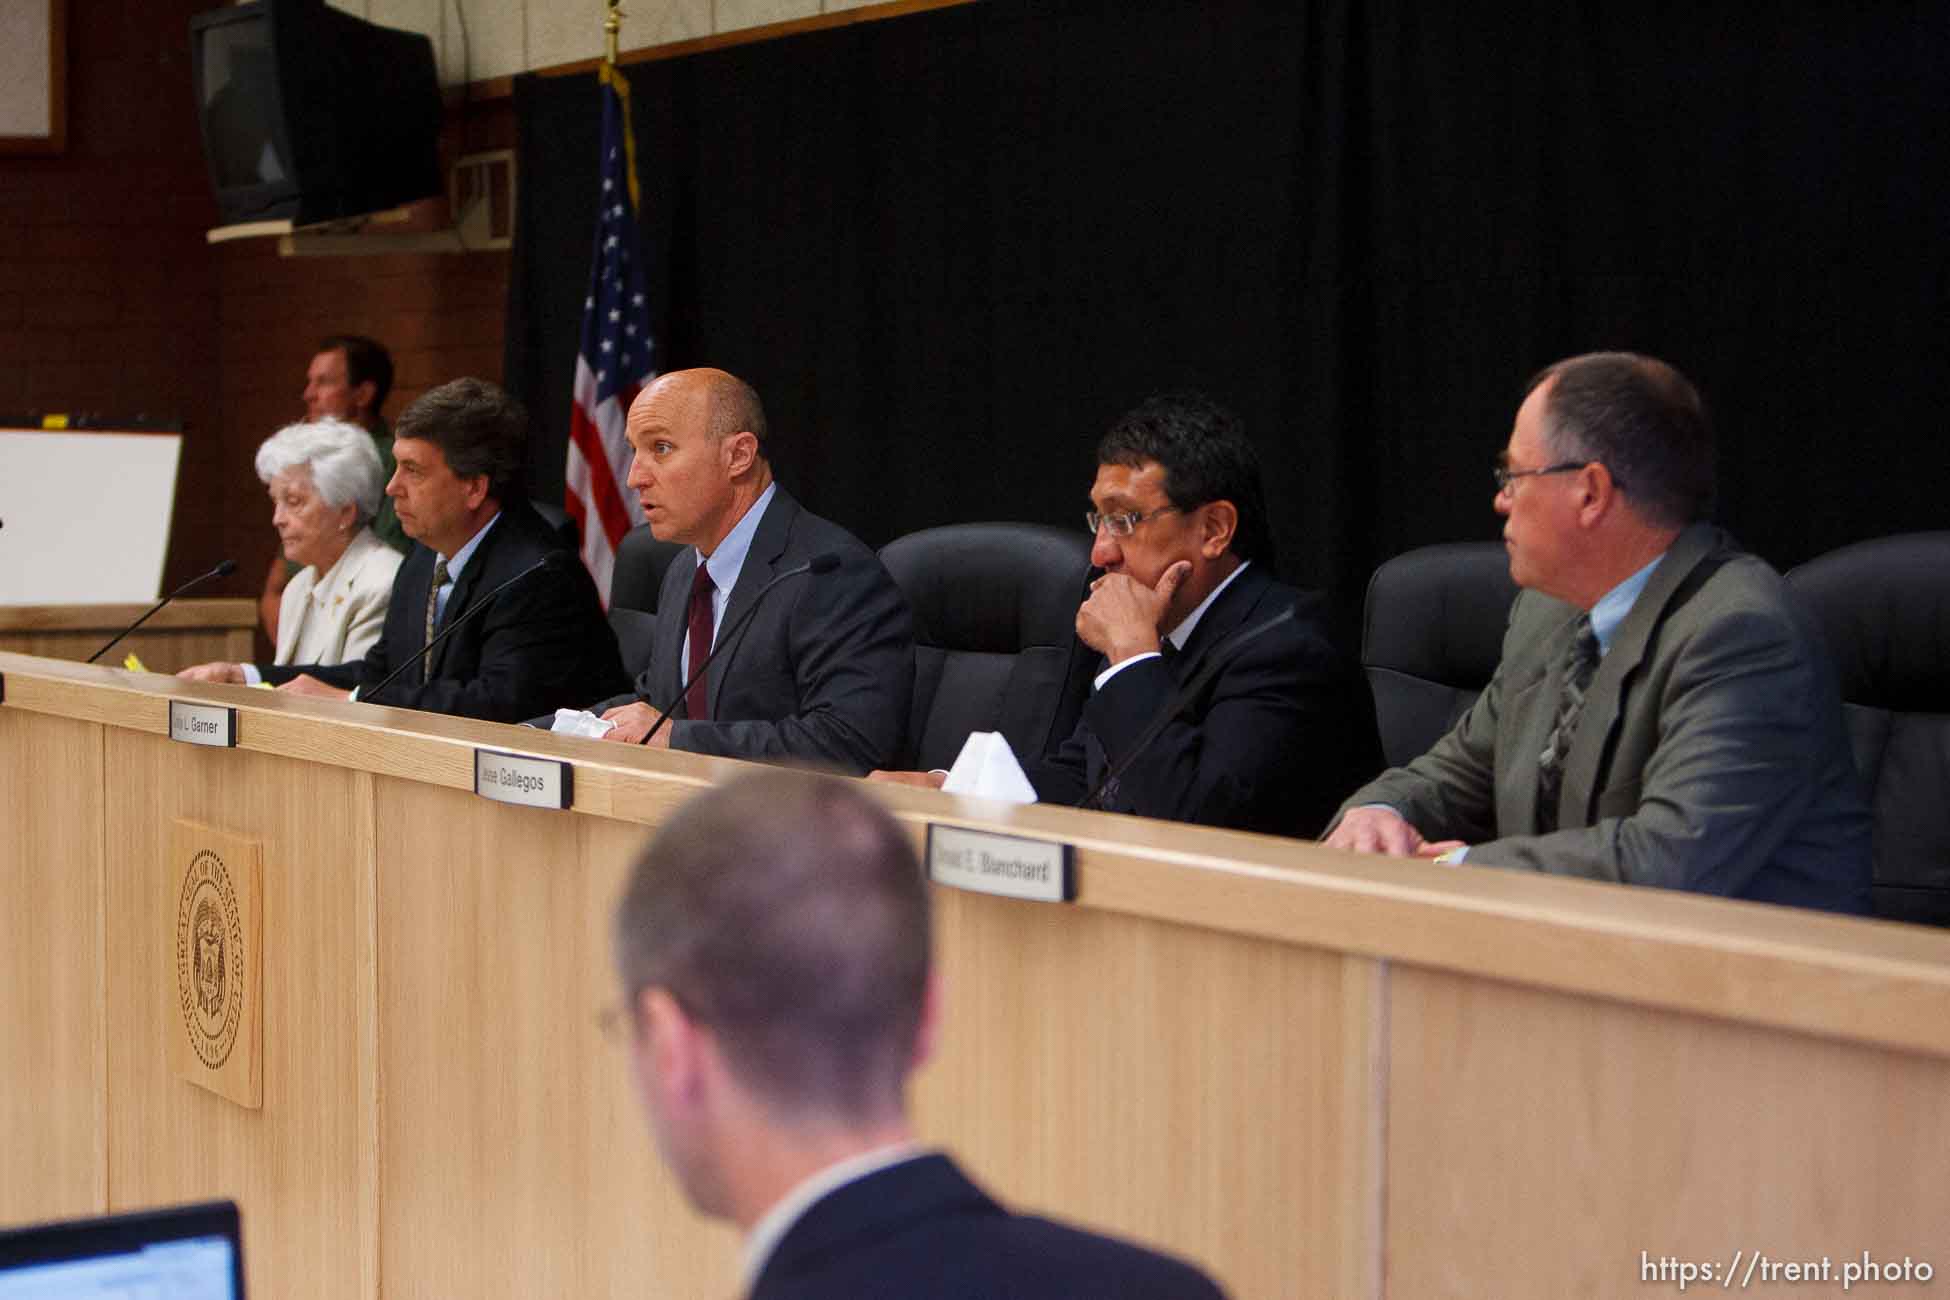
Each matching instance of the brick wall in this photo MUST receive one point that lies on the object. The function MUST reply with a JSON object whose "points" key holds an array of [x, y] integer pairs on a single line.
{"points": [[111, 301], [439, 314], [107, 294]]}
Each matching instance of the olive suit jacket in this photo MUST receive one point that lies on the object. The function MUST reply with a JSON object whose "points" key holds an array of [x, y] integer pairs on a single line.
{"points": [[1710, 755]]}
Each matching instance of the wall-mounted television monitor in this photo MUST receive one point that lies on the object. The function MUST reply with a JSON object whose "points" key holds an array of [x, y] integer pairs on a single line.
{"points": [[310, 114]]}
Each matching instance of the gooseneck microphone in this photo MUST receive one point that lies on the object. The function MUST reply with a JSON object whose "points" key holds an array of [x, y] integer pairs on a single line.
{"points": [[1184, 695], [453, 625], [223, 570], [824, 562]]}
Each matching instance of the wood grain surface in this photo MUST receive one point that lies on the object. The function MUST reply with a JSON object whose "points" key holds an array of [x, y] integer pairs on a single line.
{"points": [[1318, 1075]]}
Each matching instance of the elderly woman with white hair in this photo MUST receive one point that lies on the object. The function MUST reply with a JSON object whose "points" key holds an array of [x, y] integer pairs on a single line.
{"points": [[326, 485]]}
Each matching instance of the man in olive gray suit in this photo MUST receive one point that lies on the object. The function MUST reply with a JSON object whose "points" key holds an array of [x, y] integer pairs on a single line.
{"points": [[1663, 713]]}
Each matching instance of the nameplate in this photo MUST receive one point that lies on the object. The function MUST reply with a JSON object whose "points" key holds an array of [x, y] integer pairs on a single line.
{"points": [[203, 724], [531, 782], [1008, 865]]}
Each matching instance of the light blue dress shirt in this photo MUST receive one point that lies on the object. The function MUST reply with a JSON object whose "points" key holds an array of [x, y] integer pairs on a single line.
{"points": [[728, 561]]}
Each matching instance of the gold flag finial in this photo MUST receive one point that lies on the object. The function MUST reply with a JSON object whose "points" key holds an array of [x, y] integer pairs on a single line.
{"points": [[613, 27]]}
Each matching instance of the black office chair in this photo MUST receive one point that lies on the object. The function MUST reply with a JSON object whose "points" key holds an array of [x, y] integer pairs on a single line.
{"points": [[639, 572], [995, 609], [636, 632], [1884, 609], [1431, 638], [557, 518]]}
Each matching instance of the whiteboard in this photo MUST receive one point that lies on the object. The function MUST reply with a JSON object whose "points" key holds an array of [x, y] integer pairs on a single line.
{"points": [[26, 69], [84, 517]]}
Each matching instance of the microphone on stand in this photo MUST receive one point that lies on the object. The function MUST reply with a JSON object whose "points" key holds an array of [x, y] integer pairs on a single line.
{"points": [[223, 570], [824, 562], [453, 625], [1183, 696]]}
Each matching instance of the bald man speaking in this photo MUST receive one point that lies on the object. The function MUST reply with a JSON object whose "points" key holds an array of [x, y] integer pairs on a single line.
{"points": [[824, 669]]}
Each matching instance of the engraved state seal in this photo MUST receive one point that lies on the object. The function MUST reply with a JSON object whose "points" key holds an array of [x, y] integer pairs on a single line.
{"points": [[210, 959]]}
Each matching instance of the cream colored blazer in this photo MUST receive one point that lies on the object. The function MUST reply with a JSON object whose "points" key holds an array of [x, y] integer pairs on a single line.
{"points": [[333, 618]]}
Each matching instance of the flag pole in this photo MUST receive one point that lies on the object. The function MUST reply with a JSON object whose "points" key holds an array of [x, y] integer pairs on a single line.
{"points": [[613, 27]]}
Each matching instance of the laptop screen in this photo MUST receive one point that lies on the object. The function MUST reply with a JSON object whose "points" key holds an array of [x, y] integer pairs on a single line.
{"points": [[190, 1252]]}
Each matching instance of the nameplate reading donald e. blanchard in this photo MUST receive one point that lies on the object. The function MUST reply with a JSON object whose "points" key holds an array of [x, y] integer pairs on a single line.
{"points": [[1008, 865], [203, 724], [531, 782]]}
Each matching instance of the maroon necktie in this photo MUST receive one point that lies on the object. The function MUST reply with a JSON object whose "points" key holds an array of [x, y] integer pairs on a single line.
{"points": [[696, 700]]}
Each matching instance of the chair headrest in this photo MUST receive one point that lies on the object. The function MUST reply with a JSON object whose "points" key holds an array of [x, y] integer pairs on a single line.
{"points": [[993, 587], [1883, 606], [1438, 612], [640, 564]]}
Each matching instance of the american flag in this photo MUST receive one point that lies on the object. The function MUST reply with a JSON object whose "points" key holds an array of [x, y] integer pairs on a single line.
{"points": [[617, 357]]}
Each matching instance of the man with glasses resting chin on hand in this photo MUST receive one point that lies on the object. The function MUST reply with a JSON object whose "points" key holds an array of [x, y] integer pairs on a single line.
{"points": [[1182, 538], [1663, 713]]}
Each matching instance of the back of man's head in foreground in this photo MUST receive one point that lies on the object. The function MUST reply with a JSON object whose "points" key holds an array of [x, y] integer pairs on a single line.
{"points": [[787, 915]]}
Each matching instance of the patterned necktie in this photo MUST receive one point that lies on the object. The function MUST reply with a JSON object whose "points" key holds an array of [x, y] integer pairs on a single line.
{"points": [[697, 703], [433, 611], [1580, 664]]}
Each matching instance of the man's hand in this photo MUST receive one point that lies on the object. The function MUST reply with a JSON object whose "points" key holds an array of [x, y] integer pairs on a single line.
{"points": [[306, 684], [926, 780], [632, 721], [214, 672], [1121, 616], [1376, 830]]}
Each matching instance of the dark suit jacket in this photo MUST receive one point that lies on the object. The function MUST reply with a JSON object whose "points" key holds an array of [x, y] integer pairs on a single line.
{"points": [[921, 1228], [1268, 744], [1710, 756], [823, 672], [542, 645]]}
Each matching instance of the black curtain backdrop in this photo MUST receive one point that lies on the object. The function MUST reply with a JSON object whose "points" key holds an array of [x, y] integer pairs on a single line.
{"points": [[948, 249]]}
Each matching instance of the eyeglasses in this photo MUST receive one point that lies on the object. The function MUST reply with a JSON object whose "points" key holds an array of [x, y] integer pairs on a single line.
{"points": [[1505, 476], [1120, 525]]}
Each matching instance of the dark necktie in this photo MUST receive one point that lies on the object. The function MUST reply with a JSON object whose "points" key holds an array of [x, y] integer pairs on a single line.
{"points": [[697, 700], [433, 612], [1580, 664]]}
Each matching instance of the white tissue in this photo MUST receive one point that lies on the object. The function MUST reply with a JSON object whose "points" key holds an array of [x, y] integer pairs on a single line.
{"points": [[987, 767], [580, 722]]}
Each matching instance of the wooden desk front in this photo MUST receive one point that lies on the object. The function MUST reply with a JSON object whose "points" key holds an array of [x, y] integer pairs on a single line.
{"points": [[1316, 1074], [182, 633]]}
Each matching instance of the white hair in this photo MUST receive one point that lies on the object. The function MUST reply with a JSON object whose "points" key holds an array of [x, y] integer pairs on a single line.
{"points": [[343, 463]]}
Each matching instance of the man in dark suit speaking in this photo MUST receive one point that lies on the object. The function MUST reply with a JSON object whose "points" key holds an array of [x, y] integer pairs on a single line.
{"points": [[1664, 714], [824, 669], [773, 948], [541, 644]]}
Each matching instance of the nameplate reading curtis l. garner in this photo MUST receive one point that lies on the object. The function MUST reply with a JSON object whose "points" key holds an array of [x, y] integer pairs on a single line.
{"points": [[532, 782], [203, 724], [1001, 864]]}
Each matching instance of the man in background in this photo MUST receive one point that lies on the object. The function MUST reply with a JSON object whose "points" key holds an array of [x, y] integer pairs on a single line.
{"points": [[773, 947], [349, 378]]}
